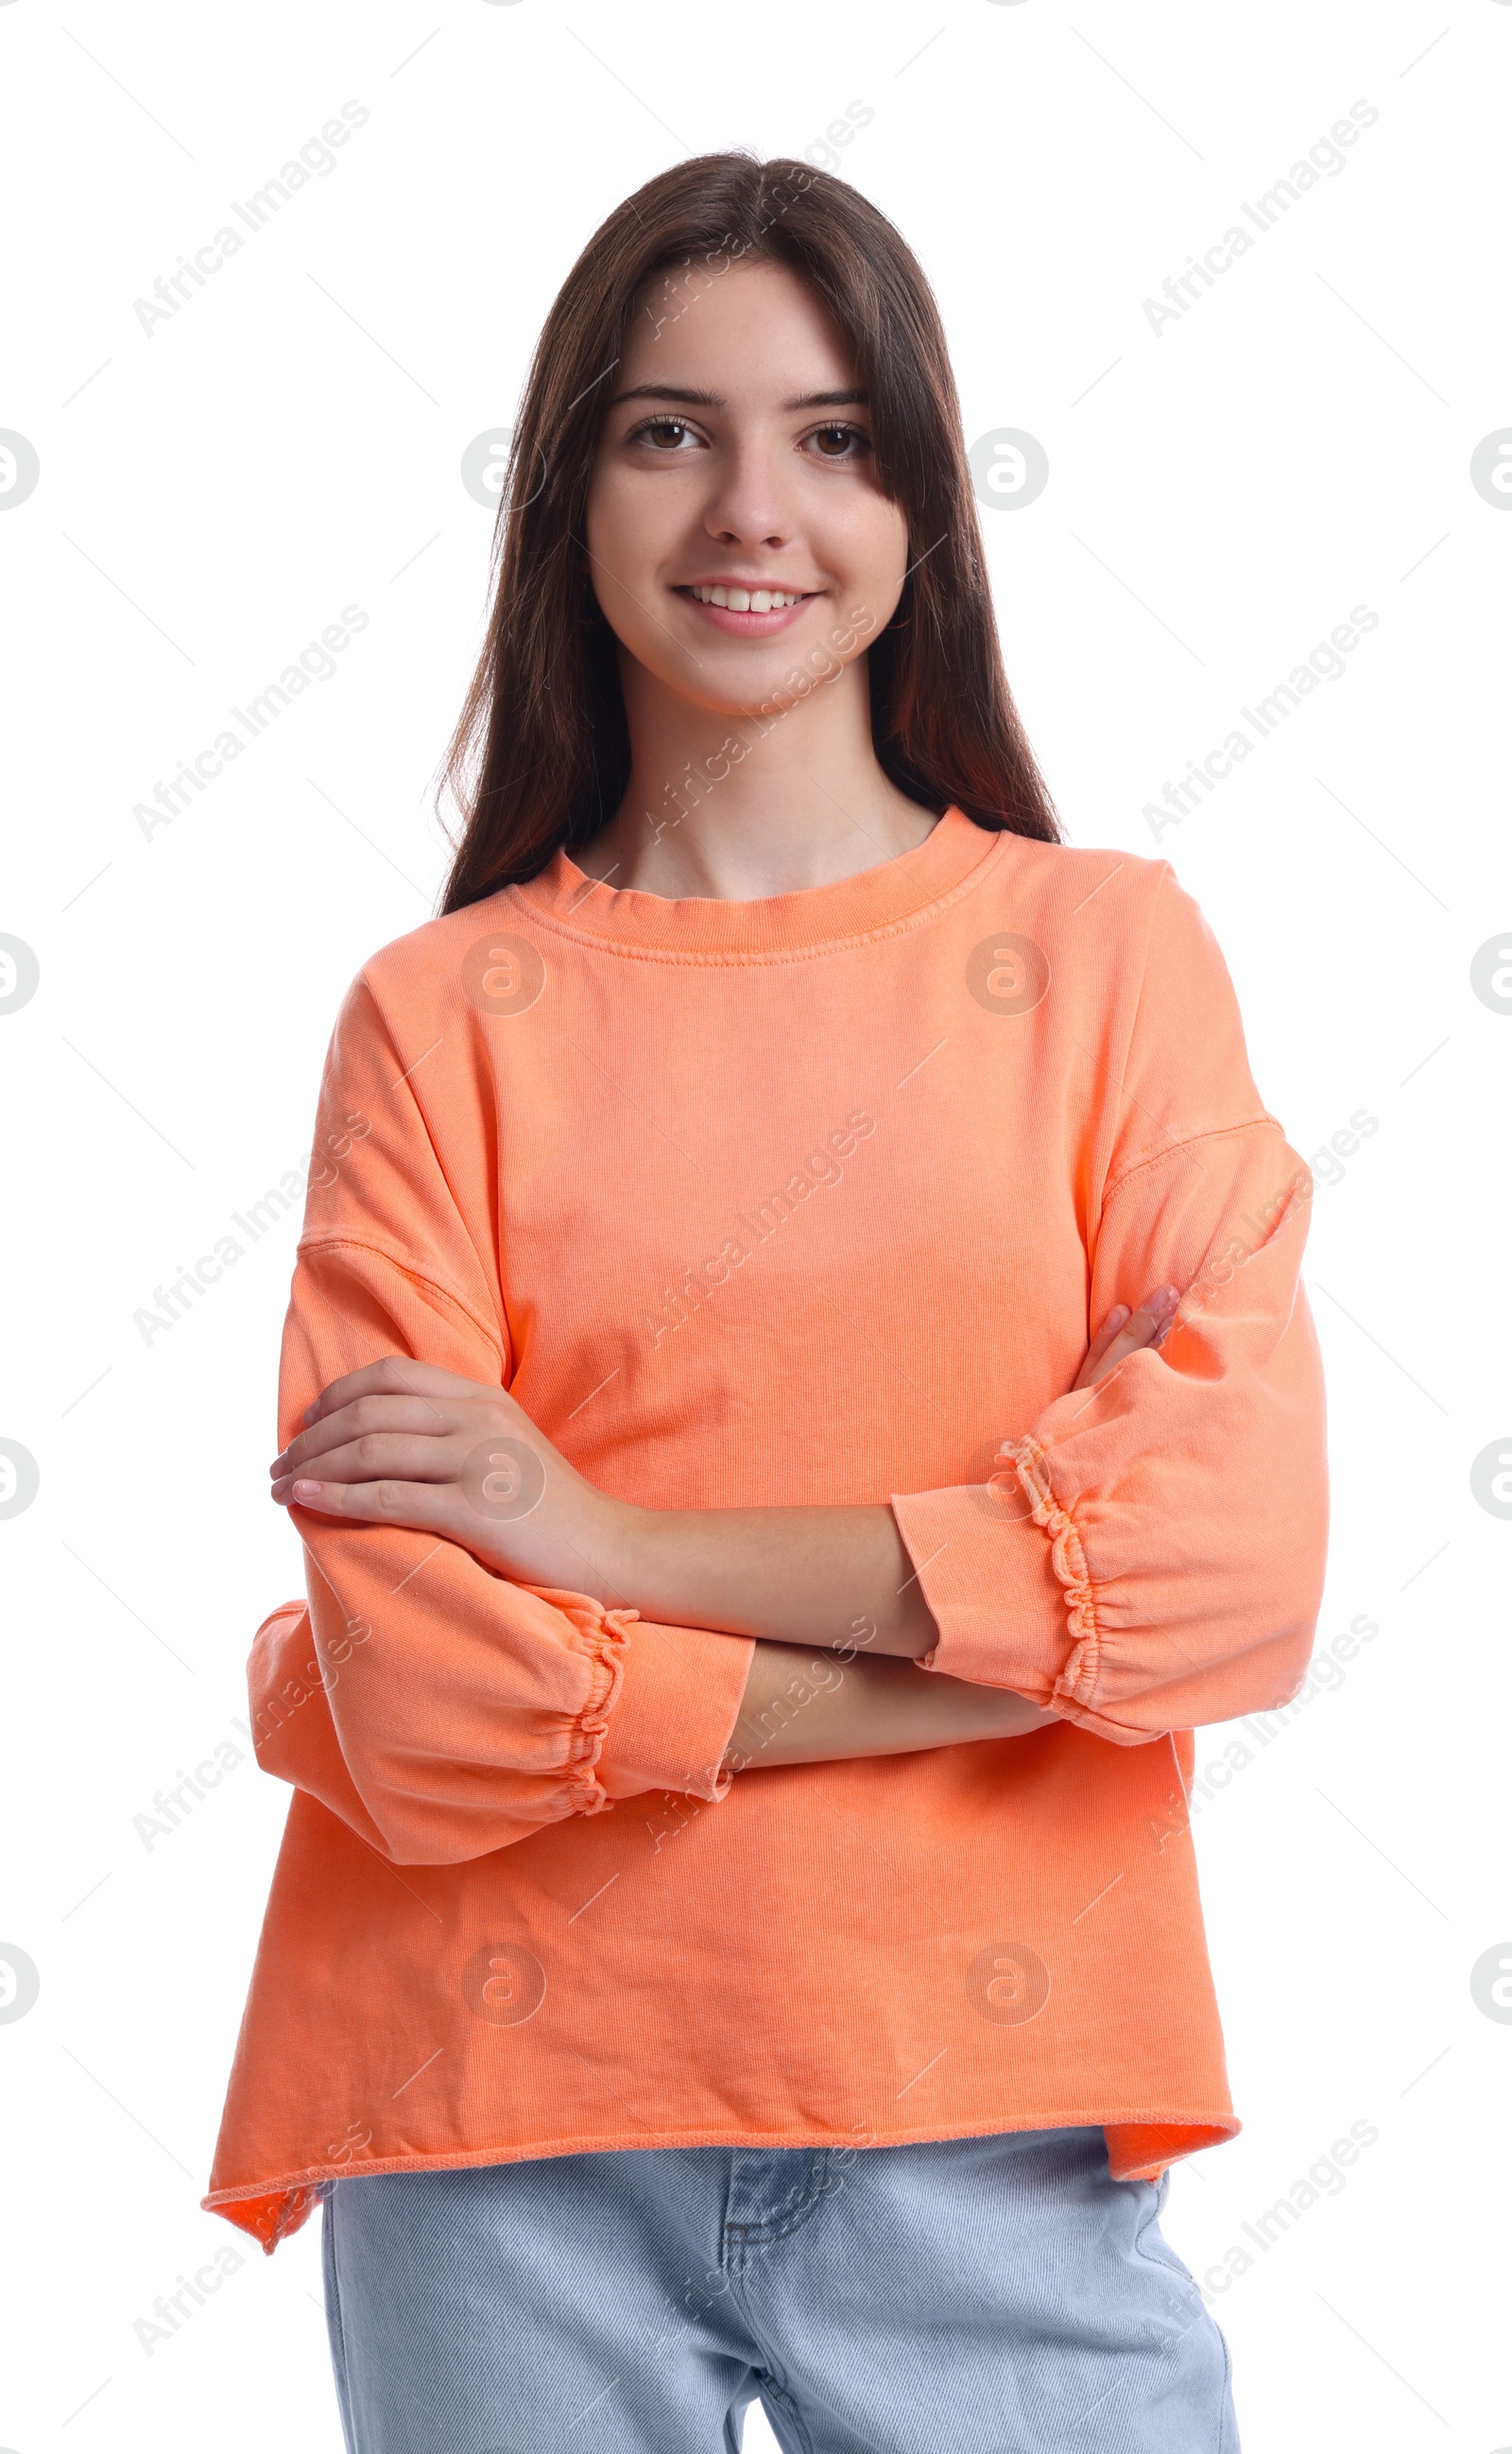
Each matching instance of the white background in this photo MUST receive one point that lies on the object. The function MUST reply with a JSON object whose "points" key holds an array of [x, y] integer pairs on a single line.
{"points": [[1220, 497]]}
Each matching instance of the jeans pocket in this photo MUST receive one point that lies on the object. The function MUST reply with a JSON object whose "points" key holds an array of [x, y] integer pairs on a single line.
{"points": [[1150, 2242]]}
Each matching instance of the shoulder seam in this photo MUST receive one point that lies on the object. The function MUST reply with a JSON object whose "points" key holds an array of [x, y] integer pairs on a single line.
{"points": [[406, 1270], [1189, 1142]]}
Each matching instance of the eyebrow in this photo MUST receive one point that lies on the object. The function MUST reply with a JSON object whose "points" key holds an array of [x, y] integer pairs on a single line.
{"points": [[687, 397]]}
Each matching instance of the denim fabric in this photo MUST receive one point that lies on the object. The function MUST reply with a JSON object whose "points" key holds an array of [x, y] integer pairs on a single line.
{"points": [[1000, 2295]]}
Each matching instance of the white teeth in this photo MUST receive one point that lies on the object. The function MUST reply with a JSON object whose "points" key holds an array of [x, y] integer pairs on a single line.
{"points": [[747, 600]]}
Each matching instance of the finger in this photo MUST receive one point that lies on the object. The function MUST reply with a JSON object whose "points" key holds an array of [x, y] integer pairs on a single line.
{"points": [[378, 1456], [378, 1411], [1137, 1331], [1109, 1330], [393, 1375], [1152, 1318], [1107, 1333], [424, 1507]]}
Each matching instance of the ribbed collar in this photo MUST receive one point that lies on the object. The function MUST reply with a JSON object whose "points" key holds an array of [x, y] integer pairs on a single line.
{"points": [[894, 895]]}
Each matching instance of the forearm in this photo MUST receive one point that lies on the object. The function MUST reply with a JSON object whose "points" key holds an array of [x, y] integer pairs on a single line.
{"points": [[804, 1707], [794, 1576]]}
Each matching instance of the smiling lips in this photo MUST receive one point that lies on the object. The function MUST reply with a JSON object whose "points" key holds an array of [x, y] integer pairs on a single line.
{"points": [[743, 610]]}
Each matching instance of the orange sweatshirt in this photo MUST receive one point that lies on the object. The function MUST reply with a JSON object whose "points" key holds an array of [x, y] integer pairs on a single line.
{"points": [[811, 1199]]}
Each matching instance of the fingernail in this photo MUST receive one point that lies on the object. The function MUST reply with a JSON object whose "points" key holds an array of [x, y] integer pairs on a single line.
{"points": [[1164, 1298], [307, 1491]]}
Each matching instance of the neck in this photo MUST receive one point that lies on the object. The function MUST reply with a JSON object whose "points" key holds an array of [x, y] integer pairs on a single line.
{"points": [[742, 804]]}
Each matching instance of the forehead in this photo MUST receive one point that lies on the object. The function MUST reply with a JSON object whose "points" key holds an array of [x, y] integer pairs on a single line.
{"points": [[753, 330]]}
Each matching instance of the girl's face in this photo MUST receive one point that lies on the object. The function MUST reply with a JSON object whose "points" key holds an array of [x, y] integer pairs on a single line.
{"points": [[736, 457]]}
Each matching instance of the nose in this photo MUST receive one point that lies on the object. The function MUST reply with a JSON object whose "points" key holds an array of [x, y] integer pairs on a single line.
{"points": [[746, 505]]}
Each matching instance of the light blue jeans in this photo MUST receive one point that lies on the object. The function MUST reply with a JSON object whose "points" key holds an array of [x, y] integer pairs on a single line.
{"points": [[966, 2296]]}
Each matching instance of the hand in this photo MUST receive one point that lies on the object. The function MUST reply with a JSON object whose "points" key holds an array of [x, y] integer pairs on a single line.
{"points": [[405, 1443], [1123, 1332]]}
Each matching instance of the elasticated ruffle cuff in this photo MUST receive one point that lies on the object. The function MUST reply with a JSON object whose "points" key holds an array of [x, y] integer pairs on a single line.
{"points": [[603, 1636], [1002, 1568], [666, 1715], [1028, 1471]]}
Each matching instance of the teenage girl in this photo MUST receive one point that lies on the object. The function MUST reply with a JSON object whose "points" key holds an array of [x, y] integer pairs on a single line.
{"points": [[797, 1399]]}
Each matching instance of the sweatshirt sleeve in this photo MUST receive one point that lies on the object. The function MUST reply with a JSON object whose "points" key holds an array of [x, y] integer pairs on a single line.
{"points": [[1149, 1554], [442, 1710]]}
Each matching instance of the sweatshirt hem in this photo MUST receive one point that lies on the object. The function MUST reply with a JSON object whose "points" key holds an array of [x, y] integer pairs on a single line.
{"points": [[291, 2198]]}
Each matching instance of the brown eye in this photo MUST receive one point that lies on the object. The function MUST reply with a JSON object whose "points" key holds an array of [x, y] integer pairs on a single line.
{"points": [[841, 442], [655, 429]]}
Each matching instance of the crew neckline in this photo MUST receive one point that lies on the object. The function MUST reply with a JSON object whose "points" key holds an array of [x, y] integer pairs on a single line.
{"points": [[894, 893]]}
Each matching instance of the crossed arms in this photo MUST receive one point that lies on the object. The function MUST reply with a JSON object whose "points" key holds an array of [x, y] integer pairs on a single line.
{"points": [[402, 1442]]}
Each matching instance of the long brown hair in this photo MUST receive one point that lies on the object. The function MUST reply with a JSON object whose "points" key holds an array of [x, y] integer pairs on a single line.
{"points": [[541, 754]]}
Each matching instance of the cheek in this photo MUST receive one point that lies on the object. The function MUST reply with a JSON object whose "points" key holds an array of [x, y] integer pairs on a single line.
{"points": [[630, 530], [606, 527], [864, 544]]}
